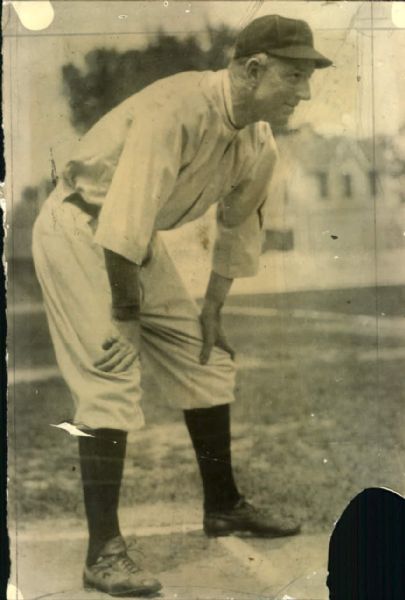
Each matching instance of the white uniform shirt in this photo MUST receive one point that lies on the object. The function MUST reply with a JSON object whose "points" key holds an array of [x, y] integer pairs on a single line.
{"points": [[163, 157]]}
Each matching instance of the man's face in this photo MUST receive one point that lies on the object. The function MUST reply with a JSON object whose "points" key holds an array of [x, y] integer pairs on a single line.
{"points": [[282, 85]]}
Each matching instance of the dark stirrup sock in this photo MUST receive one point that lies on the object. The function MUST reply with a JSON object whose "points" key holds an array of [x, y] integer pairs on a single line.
{"points": [[210, 432], [101, 464]]}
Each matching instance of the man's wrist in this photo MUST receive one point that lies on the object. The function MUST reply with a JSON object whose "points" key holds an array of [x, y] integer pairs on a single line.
{"points": [[217, 291], [212, 305], [125, 312]]}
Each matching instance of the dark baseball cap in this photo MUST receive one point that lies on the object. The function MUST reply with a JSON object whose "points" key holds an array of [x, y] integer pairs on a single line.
{"points": [[281, 37]]}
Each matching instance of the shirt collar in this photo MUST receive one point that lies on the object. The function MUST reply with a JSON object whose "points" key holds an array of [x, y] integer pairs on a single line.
{"points": [[226, 91]]}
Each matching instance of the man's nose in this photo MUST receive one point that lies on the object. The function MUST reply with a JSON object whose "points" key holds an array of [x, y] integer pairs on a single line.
{"points": [[304, 91]]}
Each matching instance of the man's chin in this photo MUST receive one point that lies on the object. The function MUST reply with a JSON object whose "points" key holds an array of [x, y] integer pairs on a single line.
{"points": [[279, 124]]}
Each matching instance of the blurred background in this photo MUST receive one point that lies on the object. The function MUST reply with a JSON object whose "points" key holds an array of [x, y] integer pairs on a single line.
{"points": [[319, 333], [337, 202]]}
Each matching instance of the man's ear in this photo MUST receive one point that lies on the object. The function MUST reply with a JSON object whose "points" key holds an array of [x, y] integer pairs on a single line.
{"points": [[254, 70]]}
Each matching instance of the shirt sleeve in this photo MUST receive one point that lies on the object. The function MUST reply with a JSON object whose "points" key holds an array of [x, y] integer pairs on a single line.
{"points": [[238, 244], [237, 249], [143, 180]]}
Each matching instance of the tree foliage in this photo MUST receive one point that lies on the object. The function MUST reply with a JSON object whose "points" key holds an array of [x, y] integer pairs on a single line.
{"points": [[110, 76]]}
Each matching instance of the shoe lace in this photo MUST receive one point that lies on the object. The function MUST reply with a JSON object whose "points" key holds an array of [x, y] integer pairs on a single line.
{"points": [[127, 564], [120, 559], [246, 505]]}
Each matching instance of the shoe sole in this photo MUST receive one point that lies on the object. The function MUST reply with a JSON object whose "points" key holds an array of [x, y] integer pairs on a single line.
{"points": [[249, 533], [129, 593]]}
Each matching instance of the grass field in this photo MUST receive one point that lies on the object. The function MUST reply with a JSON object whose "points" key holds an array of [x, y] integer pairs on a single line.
{"points": [[318, 417]]}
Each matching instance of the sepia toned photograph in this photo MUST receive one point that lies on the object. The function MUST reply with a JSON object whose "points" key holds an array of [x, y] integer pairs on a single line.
{"points": [[205, 258]]}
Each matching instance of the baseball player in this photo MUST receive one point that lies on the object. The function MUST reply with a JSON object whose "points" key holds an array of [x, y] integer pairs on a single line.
{"points": [[113, 296]]}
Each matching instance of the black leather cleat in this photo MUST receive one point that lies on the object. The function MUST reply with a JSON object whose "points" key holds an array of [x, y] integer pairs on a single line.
{"points": [[244, 518], [115, 573]]}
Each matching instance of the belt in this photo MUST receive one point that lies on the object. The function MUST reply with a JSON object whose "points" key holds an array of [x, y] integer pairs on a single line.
{"points": [[90, 209]]}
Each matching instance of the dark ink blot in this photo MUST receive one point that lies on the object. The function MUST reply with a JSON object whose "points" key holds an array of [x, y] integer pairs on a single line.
{"points": [[334, 237]]}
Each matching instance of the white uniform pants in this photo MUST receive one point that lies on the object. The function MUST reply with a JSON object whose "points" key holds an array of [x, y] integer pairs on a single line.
{"points": [[71, 271]]}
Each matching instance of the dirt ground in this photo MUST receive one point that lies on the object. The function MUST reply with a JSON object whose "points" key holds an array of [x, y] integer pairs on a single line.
{"points": [[318, 417]]}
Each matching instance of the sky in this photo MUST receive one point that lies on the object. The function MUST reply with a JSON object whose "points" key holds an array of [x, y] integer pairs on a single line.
{"points": [[360, 94]]}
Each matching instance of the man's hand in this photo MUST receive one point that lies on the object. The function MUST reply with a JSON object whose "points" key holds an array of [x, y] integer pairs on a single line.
{"points": [[210, 319], [121, 348], [212, 333]]}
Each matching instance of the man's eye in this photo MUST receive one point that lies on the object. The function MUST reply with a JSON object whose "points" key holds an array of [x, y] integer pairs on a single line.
{"points": [[294, 77]]}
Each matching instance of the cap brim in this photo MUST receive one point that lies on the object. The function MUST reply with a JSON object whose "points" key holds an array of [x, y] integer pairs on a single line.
{"points": [[303, 52]]}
